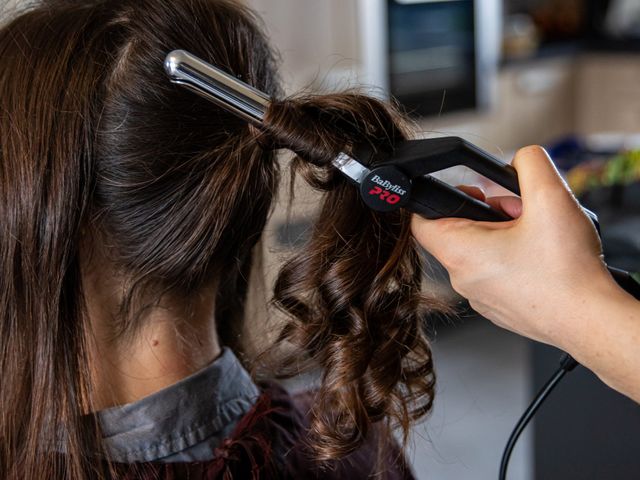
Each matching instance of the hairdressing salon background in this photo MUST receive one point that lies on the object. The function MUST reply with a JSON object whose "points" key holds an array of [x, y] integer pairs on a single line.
{"points": [[561, 73]]}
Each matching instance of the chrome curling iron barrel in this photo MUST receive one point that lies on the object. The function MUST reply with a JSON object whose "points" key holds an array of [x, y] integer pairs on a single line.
{"points": [[217, 86], [237, 97]]}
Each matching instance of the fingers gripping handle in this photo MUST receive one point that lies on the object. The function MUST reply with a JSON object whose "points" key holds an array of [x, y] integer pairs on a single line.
{"points": [[434, 199]]}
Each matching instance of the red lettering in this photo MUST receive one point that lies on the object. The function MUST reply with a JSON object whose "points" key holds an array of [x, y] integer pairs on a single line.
{"points": [[385, 195], [393, 199]]}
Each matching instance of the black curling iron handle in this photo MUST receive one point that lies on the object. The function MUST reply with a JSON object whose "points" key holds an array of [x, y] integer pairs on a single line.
{"points": [[430, 155], [433, 199], [490, 167]]}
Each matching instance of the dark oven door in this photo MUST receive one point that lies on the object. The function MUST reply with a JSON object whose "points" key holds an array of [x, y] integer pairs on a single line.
{"points": [[432, 55]]}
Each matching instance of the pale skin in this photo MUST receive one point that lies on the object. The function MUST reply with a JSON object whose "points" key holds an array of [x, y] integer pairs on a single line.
{"points": [[177, 338], [542, 275]]}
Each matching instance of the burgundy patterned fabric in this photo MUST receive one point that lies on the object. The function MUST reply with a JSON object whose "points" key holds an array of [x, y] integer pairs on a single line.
{"points": [[269, 443]]}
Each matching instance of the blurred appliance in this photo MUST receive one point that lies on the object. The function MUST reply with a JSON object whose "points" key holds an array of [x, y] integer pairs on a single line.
{"points": [[434, 56], [623, 18], [617, 20]]}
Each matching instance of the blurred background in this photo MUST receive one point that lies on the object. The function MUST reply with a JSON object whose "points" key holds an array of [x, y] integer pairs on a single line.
{"points": [[502, 74]]}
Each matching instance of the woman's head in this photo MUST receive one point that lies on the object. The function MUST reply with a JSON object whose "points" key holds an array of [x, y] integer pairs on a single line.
{"points": [[102, 159]]}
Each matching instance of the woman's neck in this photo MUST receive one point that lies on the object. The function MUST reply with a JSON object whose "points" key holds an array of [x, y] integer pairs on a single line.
{"points": [[176, 339]]}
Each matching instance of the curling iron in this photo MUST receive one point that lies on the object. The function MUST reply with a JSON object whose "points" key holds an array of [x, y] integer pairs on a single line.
{"points": [[402, 180]]}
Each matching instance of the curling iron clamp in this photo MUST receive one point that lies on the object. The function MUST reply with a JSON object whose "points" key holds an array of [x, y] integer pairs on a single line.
{"points": [[402, 180]]}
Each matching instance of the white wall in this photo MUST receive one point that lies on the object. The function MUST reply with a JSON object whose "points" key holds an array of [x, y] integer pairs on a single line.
{"points": [[7, 7], [315, 37]]}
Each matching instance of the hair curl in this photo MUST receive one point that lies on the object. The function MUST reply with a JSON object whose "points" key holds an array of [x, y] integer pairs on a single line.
{"points": [[353, 293]]}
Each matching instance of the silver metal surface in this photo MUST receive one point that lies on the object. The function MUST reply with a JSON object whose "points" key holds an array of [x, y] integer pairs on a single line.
{"points": [[374, 44], [221, 88], [237, 97], [350, 167], [488, 36]]}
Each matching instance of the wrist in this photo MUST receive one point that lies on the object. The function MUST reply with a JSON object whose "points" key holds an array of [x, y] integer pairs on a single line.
{"points": [[602, 333], [585, 313]]}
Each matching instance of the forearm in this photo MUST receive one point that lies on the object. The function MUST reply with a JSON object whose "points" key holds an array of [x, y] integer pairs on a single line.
{"points": [[603, 334]]}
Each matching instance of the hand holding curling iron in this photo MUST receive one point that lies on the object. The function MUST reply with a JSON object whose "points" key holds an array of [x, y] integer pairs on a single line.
{"points": [[542, 275]]}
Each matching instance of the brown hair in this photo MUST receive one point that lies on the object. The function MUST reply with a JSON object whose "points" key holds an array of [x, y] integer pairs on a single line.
{"points": [[353, 293], [94, 141]]}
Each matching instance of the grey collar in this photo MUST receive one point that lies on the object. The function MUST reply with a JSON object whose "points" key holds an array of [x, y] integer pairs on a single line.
{"points": [[184, 422]]}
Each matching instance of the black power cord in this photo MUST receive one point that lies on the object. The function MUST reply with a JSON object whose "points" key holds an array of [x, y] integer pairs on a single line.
{"points": [[567, 363]]}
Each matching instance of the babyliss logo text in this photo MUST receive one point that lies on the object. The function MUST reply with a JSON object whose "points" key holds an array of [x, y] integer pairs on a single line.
{"points": [[386, 184]]}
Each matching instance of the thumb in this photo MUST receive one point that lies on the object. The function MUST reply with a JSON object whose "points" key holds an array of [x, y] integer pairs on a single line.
{"points": [[537, 175]]}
